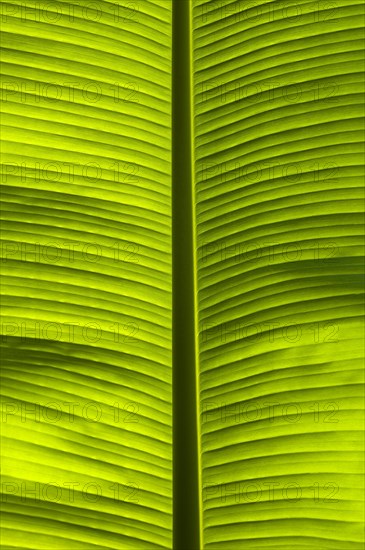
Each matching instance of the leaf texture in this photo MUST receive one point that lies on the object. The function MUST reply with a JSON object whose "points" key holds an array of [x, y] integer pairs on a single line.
{"points": [[86, 376], [86, 264], [278, 168]]}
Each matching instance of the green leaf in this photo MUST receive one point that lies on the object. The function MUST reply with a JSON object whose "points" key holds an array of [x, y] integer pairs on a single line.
{"points": [[267, 259], [86, 378], [278, 135]]}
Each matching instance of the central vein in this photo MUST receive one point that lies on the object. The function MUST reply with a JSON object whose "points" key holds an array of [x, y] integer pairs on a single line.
{"points": [[186, 479]]}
